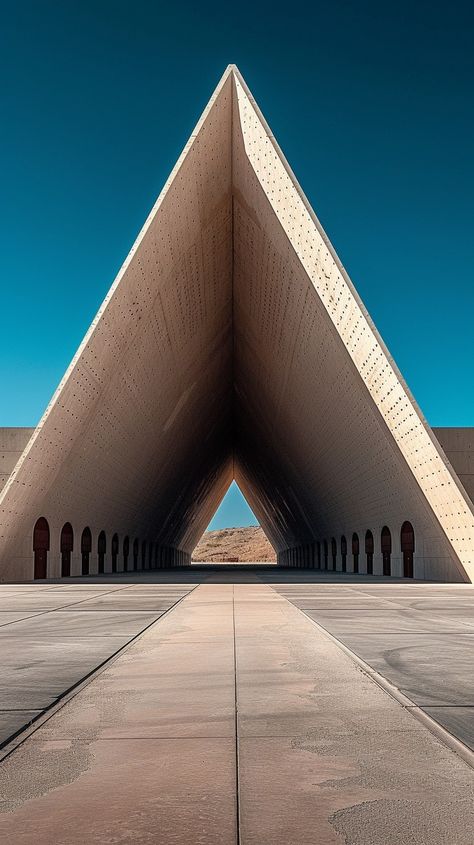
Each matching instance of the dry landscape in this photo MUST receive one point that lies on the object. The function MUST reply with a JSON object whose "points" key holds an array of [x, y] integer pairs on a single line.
{"points": [[242, 544]]}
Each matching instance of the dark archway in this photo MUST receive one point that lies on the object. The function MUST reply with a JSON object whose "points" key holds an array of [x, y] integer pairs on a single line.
{"points": [[86, 548], [101, 550], [126, 552], [150, 556], [333, 553], [66, 547], [326, 554], [114, 551], [407, 542], [386, 544], [369, 551], [40, 548], [318, 554], [344, 553], [355, 552], [135, 554], [144, 554]]}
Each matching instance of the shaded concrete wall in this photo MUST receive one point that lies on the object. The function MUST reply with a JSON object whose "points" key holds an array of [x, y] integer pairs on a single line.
{"points": [[136, 440]]}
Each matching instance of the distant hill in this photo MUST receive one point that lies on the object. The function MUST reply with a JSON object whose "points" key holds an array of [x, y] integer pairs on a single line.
{"points": [[246, 544]]}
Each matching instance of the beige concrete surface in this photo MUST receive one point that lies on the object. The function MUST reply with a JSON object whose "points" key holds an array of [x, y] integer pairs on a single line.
{"points": [[234, 720], [458, 446], [12, 445], [233, 344]]}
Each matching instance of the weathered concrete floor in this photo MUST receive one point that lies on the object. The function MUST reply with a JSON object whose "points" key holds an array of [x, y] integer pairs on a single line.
{"points": [[419, 636], [233, 719], [53, 635]]}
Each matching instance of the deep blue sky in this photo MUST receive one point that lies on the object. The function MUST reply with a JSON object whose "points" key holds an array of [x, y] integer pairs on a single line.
{"points": [[371, 102]]}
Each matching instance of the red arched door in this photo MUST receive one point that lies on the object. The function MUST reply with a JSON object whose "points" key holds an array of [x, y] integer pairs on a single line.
{"points": [[369, 551], [386, 544], [355, 552], [126, 552], [86, 548], [115, 548], [407, 541], [344, 553], [101, 550], [40, 547], [67, 545]]}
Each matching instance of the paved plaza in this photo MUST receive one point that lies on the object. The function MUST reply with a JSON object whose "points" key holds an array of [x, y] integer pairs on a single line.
{"points": [[237, 705]]}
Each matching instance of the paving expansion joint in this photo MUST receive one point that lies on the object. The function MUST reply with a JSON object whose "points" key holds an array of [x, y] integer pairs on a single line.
{"points": [[23, 734], [433, 726]]}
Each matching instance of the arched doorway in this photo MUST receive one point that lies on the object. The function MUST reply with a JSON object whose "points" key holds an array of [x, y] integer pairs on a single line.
{"points": [[369, 551], [135, 554], [40, 548], [126, 552], [86, 548], [144, 554], [67, 545], [114, 550], [318, 554], [333, 553], [407, 541], [355, 552], [344, 553], [326, 555], [386, 544], [150, 556], [101, 550]]}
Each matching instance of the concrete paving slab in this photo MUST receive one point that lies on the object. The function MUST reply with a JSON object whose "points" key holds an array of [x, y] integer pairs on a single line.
{"points": [[165, 792], [12, 721], [58, 641], [457, 720], [420, 639], [128, 603], [370, 622], [45, 600], [429, 668], [35, 676], [84, 623], [324, 754], [9, 616]]}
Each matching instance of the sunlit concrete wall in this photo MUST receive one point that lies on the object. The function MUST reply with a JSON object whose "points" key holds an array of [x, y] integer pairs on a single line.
{"points": [[329, 435], [12, 444]]}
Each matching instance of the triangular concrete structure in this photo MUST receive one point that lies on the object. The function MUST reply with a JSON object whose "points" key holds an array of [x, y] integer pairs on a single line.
{"points": [[233, 344]]}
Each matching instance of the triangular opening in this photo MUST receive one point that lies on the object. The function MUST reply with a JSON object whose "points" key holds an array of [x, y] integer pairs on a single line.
{"points": [[233, 512], [234, 534]]}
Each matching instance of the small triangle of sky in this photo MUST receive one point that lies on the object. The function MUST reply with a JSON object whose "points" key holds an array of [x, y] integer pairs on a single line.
{"points": [[233, 512]]}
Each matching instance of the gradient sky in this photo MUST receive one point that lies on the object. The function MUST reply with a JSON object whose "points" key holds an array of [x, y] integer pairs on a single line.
{"points": [[372, 104]]}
